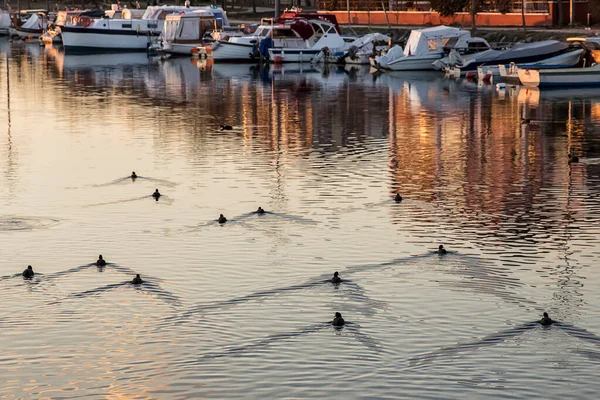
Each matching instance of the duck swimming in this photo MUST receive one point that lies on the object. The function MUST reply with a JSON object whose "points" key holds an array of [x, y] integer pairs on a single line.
{"points": [[226, 127], [222, 219], [546, 320], [133, 175], [398, 198], [573, 158], [101, 261], [260, 210], [28, 273], [137, 280], [442, 250], [336, 278], [338, 320], [156, 194]]}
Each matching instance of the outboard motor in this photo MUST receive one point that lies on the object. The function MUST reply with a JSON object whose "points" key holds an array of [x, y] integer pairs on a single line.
{"points": [[264, 47], [352, 52]]}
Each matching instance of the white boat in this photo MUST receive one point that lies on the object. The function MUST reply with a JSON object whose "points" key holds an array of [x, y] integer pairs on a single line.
{"points": [[561, 77], [424, 46], [5, 22], [315, 34], [185, 31], [246, 48], [33, 27], [127, 34]]}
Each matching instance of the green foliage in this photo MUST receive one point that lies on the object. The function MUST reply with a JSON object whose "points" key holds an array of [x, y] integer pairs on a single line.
{"points": [[503, 6], [449, 7]]}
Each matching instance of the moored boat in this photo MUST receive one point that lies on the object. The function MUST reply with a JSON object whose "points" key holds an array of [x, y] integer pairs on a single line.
{"points": [[185, 31], [33, 27], [561, 77], [423, 48]]}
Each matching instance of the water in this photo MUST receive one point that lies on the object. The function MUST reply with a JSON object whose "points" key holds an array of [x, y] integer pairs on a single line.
{"points": [[240, 310]]}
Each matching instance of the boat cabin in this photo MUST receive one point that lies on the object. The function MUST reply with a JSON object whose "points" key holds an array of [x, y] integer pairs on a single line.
{"points": [[188, 27]]}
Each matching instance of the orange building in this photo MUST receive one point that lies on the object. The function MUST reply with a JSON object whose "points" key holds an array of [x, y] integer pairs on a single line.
{"points": [[417, 13]]}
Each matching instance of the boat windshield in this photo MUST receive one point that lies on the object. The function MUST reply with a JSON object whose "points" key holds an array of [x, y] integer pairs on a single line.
{"points": [[283, 33], [190, 29]]}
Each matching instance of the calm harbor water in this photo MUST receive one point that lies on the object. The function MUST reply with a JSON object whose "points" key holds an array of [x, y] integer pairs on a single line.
{"points": [[240, 310]]}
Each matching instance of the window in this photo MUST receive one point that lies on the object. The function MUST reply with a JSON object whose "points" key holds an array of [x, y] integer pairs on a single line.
{"points": [[432, 45], [283, 33], [125, 25]]}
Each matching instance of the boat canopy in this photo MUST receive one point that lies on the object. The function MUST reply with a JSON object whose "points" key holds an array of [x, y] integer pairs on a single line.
{"points": [[188, 26], [161, 12], [289, 15], [520, 51], [36, 21], [424, 41]]}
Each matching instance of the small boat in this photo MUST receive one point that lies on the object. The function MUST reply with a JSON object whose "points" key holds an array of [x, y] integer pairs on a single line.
{"points": [[185, 31], [358, 51], [5, 22], [423, 48], [523, 53], [561, 77], [33, 27], [314, 36]]}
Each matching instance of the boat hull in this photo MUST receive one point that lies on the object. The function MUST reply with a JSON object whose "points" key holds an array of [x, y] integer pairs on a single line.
{"points": [[561, 77], [84, 39], [411, 63], [180, 49], [28, 33], [279, 55], [227, 51]]}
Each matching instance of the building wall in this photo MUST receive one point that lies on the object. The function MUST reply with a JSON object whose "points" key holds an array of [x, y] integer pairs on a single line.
{"points": [[418, 18]]}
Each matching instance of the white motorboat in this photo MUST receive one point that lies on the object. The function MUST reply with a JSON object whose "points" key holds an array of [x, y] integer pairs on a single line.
{"points": [[5, 22], [316, 34], [246, 48], [424, 46], [126, 34], [185, 31]]}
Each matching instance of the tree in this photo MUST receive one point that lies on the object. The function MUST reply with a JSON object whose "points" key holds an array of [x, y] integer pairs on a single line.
{"points": [[449, 7]]}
